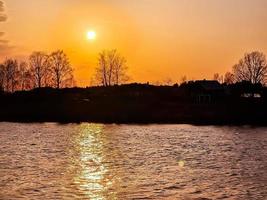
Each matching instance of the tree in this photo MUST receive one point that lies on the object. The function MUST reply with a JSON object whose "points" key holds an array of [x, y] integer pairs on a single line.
{"points": [[218, 77], [39, 67], [102, 69], [14, 76], [70, 82], [61, 70], [120, 69], [10, 74], [111, 69], [252, 67], [42, 71], [25, 77], [229, 78], [2, 77]]}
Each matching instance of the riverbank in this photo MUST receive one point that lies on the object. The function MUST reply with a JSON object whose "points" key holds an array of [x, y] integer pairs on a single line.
{"points": [[140, 104]]}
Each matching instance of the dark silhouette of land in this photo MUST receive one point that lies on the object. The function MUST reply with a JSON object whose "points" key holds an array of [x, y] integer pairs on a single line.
{"points": [[195, 102]]}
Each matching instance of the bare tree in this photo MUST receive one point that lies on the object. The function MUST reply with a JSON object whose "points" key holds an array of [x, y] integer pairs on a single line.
{"points": [[39, 67], [71, 82], [252, 67], [25, 77], [120, 69], [61, 70], [229, 78], [2, 77], [111, 69], [218, 77], [11, 74], [102, 69], [42, 71]]}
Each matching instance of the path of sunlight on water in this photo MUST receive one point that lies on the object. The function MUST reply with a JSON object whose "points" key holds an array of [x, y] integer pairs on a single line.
{"points": [[102, 162], [93, 177]]}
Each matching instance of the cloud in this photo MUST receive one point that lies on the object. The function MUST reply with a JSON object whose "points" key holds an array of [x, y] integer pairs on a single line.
{"points": [[4, 42], [3, 17], [2, 7], [5, 47]]}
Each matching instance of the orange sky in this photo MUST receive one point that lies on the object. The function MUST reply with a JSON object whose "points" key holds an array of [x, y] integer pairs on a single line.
{"points": [[161, 39]]}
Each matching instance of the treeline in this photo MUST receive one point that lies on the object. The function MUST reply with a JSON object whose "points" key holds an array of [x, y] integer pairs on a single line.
{"points": [[112, 70], [40, 70], [54, 70], [251, 68]]}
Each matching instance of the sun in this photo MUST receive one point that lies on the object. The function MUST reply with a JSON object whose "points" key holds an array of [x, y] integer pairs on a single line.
{"points": [[91, 35]]}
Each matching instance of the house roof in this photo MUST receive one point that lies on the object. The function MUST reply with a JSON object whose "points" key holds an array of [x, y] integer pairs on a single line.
{"points": [[209, 84]]}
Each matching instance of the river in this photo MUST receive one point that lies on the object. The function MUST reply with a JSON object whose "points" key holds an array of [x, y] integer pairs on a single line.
{"points": [[97, 161]]}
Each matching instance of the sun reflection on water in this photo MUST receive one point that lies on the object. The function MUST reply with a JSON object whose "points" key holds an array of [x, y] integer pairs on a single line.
{"points": [[93, 179]]}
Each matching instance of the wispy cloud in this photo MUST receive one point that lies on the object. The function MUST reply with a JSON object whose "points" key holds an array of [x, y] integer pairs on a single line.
{"points": [[4, 42], [5, 47], [3, 17], [2, 6]]}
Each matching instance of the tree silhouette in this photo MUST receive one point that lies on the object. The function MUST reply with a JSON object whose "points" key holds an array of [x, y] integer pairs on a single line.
{"points": [[120, 69], [2, 77], [218, 77], [111, 69], [252, 67], [39, 67], [15, 76], [25, 77], [43, 70], [61, 70], [229, 78], [10, 73]]}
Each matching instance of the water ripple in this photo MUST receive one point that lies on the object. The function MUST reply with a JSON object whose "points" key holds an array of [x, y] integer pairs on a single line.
{"points": [[96, 161]]}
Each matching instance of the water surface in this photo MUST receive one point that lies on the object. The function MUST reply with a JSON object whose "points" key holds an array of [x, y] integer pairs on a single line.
{"points": [[95, 161]]}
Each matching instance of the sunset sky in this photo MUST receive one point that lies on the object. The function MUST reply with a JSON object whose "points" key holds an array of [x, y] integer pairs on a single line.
{"points": [[160, 39]]}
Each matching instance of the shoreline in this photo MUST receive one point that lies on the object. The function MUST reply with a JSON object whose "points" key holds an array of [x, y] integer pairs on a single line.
{"points": [[193, 123], [136, 104]]}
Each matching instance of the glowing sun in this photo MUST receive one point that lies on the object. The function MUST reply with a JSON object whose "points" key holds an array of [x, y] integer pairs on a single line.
{"points": [[91, 35]]}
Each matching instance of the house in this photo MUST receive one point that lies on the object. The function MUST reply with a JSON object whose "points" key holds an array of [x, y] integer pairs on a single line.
{"points": [[207, 91]]}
